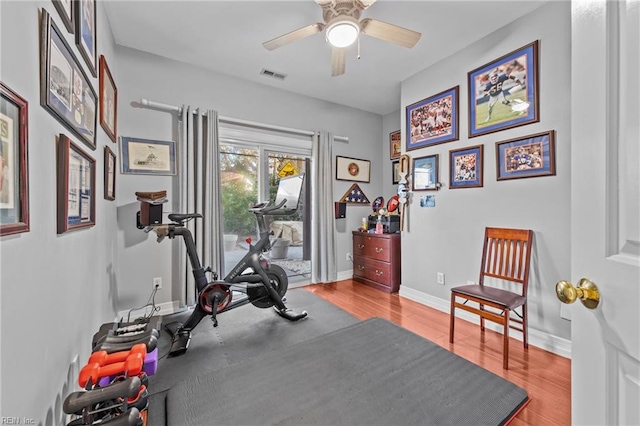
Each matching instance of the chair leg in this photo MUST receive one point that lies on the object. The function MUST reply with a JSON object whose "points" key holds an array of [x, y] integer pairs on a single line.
{"points": [[481, 319], [525, 327], [452, 317], [505, 350]]}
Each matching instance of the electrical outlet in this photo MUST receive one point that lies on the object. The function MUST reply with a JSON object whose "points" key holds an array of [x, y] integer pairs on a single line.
{"points": [[441, 278], [157, 283], [349, 257]]}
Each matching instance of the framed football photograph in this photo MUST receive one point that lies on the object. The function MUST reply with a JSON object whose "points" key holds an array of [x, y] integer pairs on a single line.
{"points": [[433, 120], [504, 93], [466, 167], [529, 156]]}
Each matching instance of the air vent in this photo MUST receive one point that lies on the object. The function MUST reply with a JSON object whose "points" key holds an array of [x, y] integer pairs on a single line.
{"points": [[273, 74]]}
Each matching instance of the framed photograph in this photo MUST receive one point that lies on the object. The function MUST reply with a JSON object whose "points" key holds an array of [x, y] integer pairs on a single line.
{"points": [[352, 169], [65, 90], [14, 175], [529, 156], [433, 120], [66, 10], [395, 139], [425, 173], [85, 15], [466, 167], [109, 174], [147, 157], [504, 93], [395, 172], [76, 187], [108, 100]]}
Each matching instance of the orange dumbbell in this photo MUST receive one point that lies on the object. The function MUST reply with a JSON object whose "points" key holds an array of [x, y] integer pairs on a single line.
{"points": [[104, 358], [131, 366]]}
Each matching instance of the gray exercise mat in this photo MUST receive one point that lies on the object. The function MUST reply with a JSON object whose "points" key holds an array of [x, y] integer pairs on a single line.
{"points": [[368, 373], [243, 333]]}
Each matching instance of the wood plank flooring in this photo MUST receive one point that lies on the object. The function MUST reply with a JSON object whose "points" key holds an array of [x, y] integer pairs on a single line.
{"points": [[545, 376]]}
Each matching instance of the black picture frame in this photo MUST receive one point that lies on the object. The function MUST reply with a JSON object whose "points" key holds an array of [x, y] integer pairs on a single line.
{"points": [[65, 90], [66, 10], [85, 17]]}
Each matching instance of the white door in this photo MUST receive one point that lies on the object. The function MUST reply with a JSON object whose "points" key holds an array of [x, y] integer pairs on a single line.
{"points": [[605, 242]]}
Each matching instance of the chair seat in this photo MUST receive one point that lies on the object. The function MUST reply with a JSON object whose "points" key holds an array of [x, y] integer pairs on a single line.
{"points": [[500, 297]]}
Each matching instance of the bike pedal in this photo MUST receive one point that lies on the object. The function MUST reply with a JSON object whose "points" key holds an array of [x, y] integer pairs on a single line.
{"points": [[290, 314]]}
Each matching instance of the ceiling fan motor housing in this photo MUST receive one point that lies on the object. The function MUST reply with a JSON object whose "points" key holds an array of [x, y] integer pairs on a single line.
{"points": [[340, 9]]}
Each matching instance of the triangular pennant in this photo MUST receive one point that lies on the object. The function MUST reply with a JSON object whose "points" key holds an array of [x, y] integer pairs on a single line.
{"points": [[354, 196]]}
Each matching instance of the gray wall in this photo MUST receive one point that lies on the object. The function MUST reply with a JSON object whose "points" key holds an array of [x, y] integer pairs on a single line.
{"points": [[57, 289], [142, 75], [448, 238]]}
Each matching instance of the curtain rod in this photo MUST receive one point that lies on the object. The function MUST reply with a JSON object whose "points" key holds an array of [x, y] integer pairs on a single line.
{"points": [[174, 108]]}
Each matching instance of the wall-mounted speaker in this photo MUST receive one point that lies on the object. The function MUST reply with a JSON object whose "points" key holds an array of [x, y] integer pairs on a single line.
{"points": [[340, 210]]}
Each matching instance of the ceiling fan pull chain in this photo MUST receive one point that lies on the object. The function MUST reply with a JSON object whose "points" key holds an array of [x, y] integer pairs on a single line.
{"points": [[358, 46]]}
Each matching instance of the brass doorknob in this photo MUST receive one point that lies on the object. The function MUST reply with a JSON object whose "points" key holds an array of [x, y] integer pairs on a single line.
{"points": [[586, 291]]}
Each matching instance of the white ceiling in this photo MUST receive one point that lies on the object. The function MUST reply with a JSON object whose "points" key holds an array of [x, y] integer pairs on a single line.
{"points": [[227, 36]]}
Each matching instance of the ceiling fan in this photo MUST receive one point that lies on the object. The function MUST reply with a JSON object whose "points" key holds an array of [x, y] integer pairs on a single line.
{"points": [[342, 26]]}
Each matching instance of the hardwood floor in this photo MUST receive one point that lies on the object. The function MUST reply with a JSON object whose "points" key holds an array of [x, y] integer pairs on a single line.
{"points": [[545, 376]]}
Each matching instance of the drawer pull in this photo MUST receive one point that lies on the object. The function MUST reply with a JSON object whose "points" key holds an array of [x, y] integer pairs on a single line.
{"points": [[361, 267], [361, 246], [379, 273], [379, 249]]}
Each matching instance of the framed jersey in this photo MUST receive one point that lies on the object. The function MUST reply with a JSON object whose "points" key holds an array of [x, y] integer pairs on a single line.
{"points": [[504, 92]]}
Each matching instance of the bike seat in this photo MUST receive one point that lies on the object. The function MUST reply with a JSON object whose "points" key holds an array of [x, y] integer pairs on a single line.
{"points": [[179, 217]]}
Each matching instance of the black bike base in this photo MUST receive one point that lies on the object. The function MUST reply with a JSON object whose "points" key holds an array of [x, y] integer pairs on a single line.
{"points": [[180, 338], [290, 314]]}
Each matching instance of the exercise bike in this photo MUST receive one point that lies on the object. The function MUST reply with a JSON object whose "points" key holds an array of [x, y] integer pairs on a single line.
{"points": [[252, 280]]}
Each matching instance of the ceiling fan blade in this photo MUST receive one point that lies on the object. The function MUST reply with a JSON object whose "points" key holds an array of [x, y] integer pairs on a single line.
{"points": [[389, 32], [293, 36], [338, 60]]}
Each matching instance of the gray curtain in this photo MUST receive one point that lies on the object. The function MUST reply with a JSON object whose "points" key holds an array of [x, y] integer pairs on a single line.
{"points": [[323, 252], [199, 192]]}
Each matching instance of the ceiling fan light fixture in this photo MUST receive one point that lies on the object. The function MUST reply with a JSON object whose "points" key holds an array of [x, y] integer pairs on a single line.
{"points": [[342, 32]]}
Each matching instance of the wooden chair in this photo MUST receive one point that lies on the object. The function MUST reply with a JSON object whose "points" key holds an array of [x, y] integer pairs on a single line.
{"points": [[506, 256]]}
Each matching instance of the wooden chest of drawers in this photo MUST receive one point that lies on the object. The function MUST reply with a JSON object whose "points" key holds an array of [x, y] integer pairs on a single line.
{"points": [[376, 260]]}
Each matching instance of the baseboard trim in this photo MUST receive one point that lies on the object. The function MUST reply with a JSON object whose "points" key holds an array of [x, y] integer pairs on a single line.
{"points": [[166, 308], [537, 338]]}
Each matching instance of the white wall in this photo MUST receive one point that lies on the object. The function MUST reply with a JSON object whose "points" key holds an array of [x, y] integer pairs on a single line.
{"points": [[56, 289], [448, 238], [142, 75]]}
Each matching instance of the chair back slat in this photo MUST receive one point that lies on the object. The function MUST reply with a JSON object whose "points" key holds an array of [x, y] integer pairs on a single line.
{"points": [[506, 255]]}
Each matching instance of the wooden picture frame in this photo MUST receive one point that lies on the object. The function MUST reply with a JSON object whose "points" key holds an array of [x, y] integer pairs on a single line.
{"points": [[109, 174], [76, 187], [108, 101], [85, 17], [352, 169], [395, 172], [528, 156], [433, 120], [504, 93], [425, 176], [66, 11], [65, 90], [395, 141], [14, 164], [466, 167], [147, 156]]}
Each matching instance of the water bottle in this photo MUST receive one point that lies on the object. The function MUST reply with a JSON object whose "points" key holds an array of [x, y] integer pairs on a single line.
{"points": [[379, 225]]}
